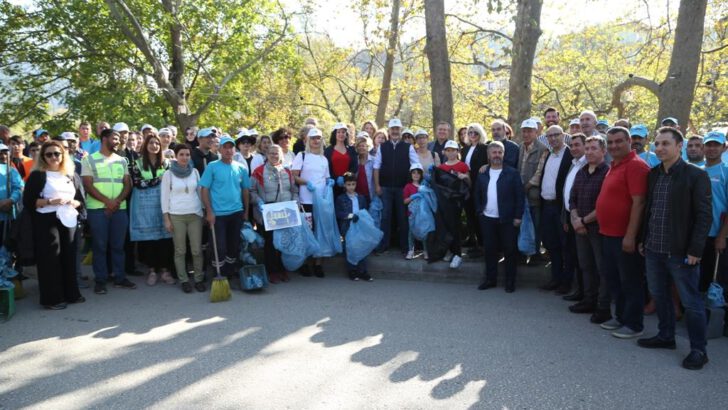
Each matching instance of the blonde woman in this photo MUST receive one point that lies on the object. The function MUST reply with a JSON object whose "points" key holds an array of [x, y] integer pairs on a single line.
{"points": [[53, 193], [380, 136]]}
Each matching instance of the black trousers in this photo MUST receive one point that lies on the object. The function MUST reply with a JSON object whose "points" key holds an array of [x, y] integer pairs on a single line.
{"points": [[271, 256], [157, 254], [56, 246], [499, 236], [473, 230]]}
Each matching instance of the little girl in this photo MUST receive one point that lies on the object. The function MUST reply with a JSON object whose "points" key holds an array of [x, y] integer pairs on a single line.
{"points": [[456, 167], [411, 189]]}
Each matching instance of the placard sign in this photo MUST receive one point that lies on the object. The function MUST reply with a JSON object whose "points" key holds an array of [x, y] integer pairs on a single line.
{"points": [[281, 215]]}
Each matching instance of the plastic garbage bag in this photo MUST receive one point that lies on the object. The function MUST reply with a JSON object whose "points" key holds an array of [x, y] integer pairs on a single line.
{"points": [[295, 244], [7, 273], [422, 213], [715, 296], [326, 226], [527, 235], [249, 236], [375, 210], [362, 237]]}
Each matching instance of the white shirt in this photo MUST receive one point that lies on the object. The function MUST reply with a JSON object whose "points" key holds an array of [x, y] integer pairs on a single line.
{"points": [[576, 165], [470, 155], [413, 157], [180, 196], [550, 173], [258, 160], [354, 203], [491, 206], [57, 186], [315, 169], [287, 159]]}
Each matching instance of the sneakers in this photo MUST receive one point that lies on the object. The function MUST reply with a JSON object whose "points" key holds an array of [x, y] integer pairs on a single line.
{"points": [[600, 316], [152, 278], [100, 288], [125, 284], [582, 307], [186, 287], [611, 324], [656, 343], [627, 333], [456, 262], [695, 360], [353, 276], [167, 278], [366, 277], [448, 256], [410, 255]]}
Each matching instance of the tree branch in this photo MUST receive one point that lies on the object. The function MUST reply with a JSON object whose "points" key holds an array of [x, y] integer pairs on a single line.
{"points": [[632, 81], [479, 29]]}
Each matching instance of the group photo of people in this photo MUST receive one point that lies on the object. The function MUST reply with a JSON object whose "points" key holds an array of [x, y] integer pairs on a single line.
{"points": [[629, 221]]}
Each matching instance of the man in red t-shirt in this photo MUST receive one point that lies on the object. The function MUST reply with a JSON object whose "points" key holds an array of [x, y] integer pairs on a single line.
{"points": [[619, 213]]}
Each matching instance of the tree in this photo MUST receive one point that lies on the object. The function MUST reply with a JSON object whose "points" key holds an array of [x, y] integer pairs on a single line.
{"points": [[439, 62], [393, 38], [675, 94], [525, 40]]}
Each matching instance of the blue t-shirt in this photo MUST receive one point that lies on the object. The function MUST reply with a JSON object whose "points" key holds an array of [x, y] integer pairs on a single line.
{"points": [[718, 175], [90, 146], [226, 183], [650, 158]]}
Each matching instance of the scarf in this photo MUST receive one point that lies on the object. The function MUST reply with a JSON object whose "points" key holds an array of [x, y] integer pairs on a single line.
{"points": [[180, 172]]}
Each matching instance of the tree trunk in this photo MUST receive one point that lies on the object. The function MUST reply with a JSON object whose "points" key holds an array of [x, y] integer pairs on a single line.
{"points": [[525, 40], [678, 89], [388, 64], [439, 61]]}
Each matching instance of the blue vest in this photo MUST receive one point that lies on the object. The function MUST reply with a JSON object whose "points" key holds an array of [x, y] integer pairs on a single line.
{"points": [[394, 171]]}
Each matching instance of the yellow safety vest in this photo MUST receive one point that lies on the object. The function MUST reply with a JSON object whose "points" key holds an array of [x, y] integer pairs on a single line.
{"points": [[108, 174]]}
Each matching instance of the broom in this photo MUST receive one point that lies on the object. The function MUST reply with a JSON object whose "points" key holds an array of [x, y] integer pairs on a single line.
{"points": [[220, 289]]}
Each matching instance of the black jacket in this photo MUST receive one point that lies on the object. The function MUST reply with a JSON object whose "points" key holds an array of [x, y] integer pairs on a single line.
{"points": [[511, 198], [690, 208], [479, 158], [561, 176]]}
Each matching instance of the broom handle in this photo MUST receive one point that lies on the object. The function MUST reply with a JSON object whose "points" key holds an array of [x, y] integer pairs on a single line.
{"points": [[214, 248], [715, 270]]}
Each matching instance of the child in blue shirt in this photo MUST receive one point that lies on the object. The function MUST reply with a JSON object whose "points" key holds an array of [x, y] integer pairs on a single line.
{"points": [[347, 205]]}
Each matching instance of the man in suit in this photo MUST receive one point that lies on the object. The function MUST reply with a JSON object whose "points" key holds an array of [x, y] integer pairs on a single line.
{"points": [[531, 159], [499, 202], [556, 168]]}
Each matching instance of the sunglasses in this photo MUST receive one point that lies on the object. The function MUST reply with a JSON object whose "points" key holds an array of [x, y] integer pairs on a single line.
{"points": [[55, 154]]}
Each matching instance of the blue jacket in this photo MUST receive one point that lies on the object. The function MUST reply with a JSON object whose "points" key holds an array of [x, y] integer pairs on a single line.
{"points": [[511, 198], [343, 209]]}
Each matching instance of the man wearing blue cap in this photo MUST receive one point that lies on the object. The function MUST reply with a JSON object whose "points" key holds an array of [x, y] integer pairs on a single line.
{"points": [[225, 195], [714, 143], [41, 136], [602, 126], [638, 134]]}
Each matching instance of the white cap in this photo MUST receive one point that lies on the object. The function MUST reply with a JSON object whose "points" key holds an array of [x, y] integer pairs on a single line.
{"points": [[244, 133], [121, 127], [362, 134], [315, 132], [339, 126], [416, 165], [145, 126], [407, 131], [4, 147], [529, 123], [252, 132], [68, 136], [395, 122], [172, 129], [575, 121], [165, 131], [538, 120], [421, 132], [451, 144]]}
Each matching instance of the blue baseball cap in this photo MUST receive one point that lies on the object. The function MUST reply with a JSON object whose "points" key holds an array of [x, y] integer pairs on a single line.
{"points": [[638, 130], [204, 133], [39, 132], [603, 122], [714, 136], [224, 140], [669, 119]]}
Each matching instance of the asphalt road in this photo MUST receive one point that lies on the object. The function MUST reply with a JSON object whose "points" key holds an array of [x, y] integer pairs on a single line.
{"points": [[331, 343]]}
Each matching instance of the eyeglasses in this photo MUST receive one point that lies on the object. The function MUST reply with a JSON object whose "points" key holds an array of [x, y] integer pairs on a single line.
{"points": [[285, 137], [54, 154]]}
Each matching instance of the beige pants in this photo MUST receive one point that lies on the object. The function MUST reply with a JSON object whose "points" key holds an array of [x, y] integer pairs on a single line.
{"points": [[185, 226]]}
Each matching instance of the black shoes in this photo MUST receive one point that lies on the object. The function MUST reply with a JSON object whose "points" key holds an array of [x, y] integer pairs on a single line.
{"points": [[487, 284], [200, 286], [366, 277], [100, 288], [125, 284], [574, 297], [80, 299], [186, 287], [318, 271], [59, 306], [582, 307], [563, 289], [305, 271], [695, 360], [656, 343], [600, 316], [552, 285]]}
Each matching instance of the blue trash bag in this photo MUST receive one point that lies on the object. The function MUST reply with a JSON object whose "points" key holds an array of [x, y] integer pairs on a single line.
{"points": [[295, 245], [253, 277], [326, 226], [249, 236], [375, 210], [527, 235], [6, 270], [715, 296], [362, 237], [422, 213]]}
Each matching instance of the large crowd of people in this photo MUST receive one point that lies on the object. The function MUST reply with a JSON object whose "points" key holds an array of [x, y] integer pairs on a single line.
{"points": [[632, 221]]}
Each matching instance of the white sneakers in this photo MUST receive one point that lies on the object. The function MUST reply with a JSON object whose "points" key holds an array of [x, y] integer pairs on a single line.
{"points": [[448, 256], [410, 255], [456, 262]]}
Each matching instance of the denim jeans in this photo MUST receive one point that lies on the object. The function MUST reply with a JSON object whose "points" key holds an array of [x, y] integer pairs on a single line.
{"points": [[108, 232], [554, 240], [622, 272], [662, 271], [393, 203], [499, 236]]}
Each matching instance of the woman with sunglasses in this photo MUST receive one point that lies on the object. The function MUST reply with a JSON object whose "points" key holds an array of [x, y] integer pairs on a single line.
{"points": [[282, 138], [53, 192]]}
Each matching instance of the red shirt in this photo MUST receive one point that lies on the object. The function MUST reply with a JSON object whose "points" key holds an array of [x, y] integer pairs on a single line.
{"points": [[459, 167], [340, 163], [362, 185], [409, 190], [624, 180]]}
